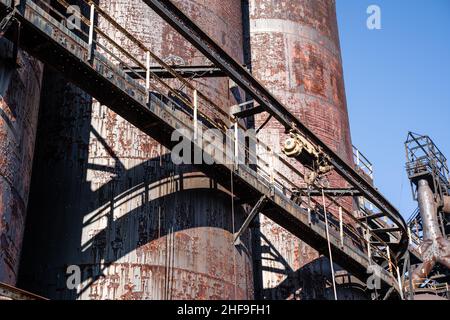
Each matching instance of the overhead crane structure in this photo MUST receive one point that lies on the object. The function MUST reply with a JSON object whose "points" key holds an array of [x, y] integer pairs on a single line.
{"points": [[135, 85]]}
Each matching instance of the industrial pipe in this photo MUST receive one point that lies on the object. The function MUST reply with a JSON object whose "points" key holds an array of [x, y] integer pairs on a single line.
{"points": [[446, 208], [428, 210], [435, 247]]}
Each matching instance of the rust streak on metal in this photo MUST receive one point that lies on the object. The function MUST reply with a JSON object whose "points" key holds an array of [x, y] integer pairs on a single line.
{"points": [[296, 54]]}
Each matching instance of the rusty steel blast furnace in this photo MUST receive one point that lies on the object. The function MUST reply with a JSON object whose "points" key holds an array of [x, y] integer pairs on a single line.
{"points": [[85, 155], [109, 199], [295, 52]]}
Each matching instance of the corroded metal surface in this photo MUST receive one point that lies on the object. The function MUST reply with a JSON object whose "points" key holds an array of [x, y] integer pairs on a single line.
{"points": [[8, 292], [296, 54], [446, 206], [109, 200], [435, 247], [19, 105]]}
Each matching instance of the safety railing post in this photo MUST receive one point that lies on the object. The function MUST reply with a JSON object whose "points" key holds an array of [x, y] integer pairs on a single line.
{"points": [[91, 34], [147, 75], [358, 159], [369, 249], [272, 169], [400, 284], [388, 251], [236, 145], [195, 115], [341, 227]]}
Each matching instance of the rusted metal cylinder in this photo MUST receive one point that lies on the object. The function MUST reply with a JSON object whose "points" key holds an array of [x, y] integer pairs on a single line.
{"points": [[428, 211], [19, 104], [301, 40], [432, 236], [136, 225], [446, 207], [296, 54], [435, 247]]}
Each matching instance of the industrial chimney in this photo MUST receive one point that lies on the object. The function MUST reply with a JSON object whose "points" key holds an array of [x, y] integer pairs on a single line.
{"points": [[295, 53]]}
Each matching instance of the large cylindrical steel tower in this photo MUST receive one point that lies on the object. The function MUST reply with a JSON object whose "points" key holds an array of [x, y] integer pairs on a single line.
{"points": [[296, 54], [20, 83], [109, 200]]}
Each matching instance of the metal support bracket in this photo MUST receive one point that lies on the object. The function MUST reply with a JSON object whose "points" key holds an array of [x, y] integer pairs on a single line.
{"points": [[256, 209], [249, 112], [91, 51], [264, 123]]}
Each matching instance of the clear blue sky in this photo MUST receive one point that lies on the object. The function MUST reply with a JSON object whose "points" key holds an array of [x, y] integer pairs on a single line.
{"points": [[397, 80]]}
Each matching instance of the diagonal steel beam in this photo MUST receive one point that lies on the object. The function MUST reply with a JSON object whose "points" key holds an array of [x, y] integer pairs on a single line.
{"points": [[256, 209], [199, 39]]}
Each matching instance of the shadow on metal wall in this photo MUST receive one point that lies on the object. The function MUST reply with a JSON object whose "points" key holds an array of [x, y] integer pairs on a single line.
{"points": [[64, 207]]}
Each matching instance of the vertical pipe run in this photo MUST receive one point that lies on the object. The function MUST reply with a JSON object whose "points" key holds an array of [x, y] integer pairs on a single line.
{"points": [[388, 251], [435, 247], [236, 145], [341, 227], [333, 276], [428, 211], [296, 55]]}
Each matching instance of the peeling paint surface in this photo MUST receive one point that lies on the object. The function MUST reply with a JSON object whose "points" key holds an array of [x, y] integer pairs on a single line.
{"points": [[296, 55], [19, 104], [109, 200]]}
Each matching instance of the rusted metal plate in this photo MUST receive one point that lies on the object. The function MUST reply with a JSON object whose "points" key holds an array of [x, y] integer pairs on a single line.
{"points": [[296, 55], [446, 207], [19, 103]]}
